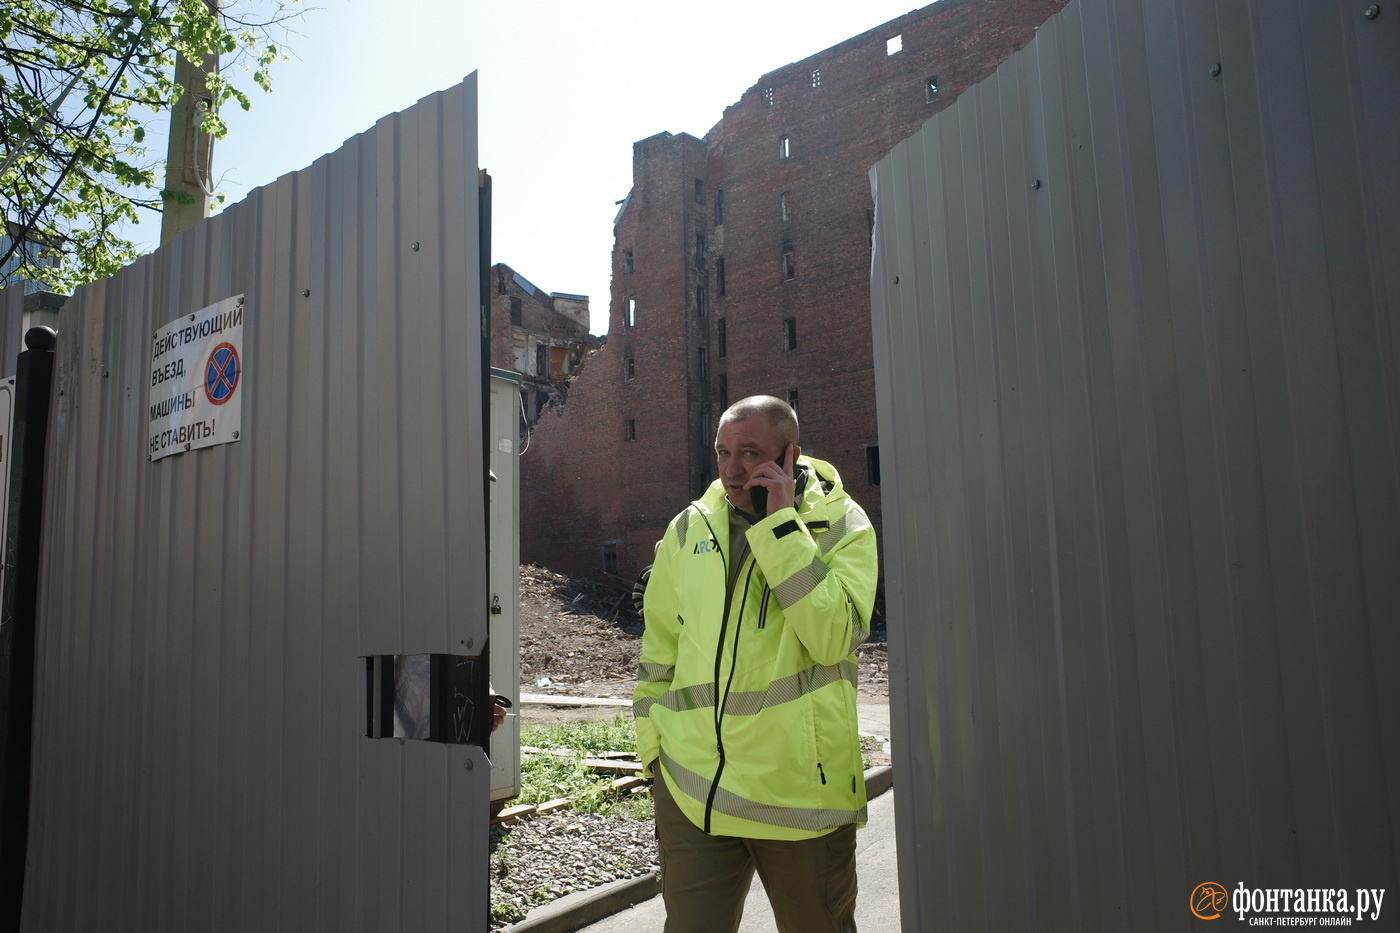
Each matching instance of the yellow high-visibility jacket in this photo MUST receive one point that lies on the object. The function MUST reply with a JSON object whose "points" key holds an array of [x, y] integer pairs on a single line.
{"points": [[746, 699]]}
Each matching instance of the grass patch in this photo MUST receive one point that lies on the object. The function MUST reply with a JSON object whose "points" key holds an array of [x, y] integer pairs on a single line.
{"points": [[547, 777]]}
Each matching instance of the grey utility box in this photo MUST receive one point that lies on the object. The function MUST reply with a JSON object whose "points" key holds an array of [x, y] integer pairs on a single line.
{"points": [[504, 577]]}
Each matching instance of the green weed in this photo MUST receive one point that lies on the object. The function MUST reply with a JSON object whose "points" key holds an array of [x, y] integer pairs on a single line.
{"points": [[545, 777]]}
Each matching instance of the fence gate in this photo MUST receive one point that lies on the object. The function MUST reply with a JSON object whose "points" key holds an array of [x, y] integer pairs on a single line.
{"points": [[1135, 306], [210, 618]]}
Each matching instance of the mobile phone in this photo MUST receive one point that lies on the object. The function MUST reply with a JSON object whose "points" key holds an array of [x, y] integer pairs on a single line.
{"points": [[758, 495]]}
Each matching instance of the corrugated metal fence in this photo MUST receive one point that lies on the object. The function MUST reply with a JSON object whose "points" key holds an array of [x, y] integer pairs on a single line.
{"points": [[200, 760], [1135, 304]]}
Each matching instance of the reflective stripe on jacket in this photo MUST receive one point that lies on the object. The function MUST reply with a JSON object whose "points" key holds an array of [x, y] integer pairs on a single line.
{"points": [[749, 702]]}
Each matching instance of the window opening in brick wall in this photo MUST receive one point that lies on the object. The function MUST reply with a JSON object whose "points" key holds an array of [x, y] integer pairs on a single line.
{"points": [[723, 391], [792, 400], [790, 333], [701, 300], [783, 204], [629, 368], [707, 437], [703, 356], [719, 207], [768, 95], [629, 429], [611, 551], [784, 147], [894, 44], [627, 261], [515, 311], [719, 276], [816, 77], [699, 250], [931, 90], [699, 191], [541, 400], [629, 312], [789, 268], [872, 465], [721, 342], [541, 359]]}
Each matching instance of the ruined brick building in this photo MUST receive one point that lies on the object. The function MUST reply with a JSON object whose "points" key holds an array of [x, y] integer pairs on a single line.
{"points": [[543, 337], [741, 265]]}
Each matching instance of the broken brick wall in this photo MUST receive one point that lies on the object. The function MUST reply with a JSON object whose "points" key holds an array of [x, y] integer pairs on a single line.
{"points": [[542, 336]]}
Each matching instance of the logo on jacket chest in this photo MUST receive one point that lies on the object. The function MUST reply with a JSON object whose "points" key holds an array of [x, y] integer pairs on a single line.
{"points": [[705, 547]]}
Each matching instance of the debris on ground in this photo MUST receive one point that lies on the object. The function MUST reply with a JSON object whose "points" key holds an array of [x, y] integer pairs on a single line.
{"points": [[572, 641]]}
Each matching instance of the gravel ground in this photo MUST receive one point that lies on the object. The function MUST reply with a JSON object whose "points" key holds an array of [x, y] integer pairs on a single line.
{"points": [[535, 861]]}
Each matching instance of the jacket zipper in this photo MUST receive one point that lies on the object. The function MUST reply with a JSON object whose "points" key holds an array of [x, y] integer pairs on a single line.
{"points": [[720, 696], [763, 608]]}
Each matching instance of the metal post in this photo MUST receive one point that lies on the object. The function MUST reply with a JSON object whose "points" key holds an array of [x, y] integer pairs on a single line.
{"points": [[33, 389]]}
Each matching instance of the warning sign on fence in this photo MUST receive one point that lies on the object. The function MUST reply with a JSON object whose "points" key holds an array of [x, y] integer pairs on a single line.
{"points": [[196, 374]]}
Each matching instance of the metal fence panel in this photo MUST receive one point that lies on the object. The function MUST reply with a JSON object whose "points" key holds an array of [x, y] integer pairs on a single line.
{"points": [[505, 577], [200, 756], [1135, 323]]}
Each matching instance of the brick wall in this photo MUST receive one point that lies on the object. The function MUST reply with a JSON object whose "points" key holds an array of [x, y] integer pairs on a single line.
{"points": [[793, 246]]}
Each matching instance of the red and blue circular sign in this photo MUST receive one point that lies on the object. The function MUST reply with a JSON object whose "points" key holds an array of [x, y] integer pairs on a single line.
{"points": [[221, 374]]}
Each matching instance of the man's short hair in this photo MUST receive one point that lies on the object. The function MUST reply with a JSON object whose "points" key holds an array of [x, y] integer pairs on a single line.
{"points": [[781, 418]]}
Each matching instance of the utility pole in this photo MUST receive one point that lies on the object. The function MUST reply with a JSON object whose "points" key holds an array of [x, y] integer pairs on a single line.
{"points": [[189, 172]]}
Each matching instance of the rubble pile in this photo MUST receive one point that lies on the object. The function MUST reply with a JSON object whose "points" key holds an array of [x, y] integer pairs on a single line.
{"points": [[874, 659], [574, 637]]}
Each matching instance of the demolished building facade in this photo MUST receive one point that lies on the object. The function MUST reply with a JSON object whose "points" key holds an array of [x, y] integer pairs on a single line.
{"points": [[741, 265]]}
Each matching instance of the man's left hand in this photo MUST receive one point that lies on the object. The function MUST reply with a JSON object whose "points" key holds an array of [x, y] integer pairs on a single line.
{"points": [[499, 705]]}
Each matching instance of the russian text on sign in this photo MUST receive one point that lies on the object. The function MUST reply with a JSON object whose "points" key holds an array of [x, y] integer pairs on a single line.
{"points": [[197, 367]]}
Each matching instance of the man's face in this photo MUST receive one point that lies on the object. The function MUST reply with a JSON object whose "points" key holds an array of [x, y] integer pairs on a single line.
{"points": [[740, 446]]}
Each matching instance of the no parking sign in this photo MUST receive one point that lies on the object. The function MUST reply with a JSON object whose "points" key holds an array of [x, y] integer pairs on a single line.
{"points": [[196, 377]]}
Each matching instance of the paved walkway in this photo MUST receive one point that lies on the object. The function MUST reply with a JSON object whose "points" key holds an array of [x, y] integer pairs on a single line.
{"points": [[877, 874]]}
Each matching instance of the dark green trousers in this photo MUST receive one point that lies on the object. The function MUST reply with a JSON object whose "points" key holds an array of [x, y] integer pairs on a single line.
{"points": [[811, 883]]}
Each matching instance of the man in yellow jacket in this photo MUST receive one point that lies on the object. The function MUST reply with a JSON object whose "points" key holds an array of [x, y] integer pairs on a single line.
{"points": [[761, 591]]}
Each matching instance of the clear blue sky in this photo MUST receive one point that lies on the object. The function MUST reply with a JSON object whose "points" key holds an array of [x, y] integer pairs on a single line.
{"points": [[565, 88]]}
